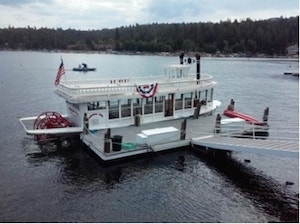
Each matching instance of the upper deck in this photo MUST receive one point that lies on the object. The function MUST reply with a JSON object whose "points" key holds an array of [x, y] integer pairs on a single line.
{"points": [[176, 78]]}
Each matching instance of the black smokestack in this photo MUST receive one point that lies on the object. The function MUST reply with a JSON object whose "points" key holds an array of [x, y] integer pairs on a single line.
{"points": [[181, 58], [198, 66]]}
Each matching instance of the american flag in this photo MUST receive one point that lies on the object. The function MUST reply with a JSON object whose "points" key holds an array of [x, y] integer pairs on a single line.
{"points": [[60, 73]]}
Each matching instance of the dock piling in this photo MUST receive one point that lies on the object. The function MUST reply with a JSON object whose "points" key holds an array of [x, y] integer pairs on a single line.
{"points": [[107, 145], [183, 130], [107, 141], [266, 116], [85, 124], [137, 120], [231, 105], [218, 124]]}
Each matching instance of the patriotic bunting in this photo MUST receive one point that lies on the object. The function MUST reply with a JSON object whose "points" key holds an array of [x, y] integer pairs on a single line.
{"points": [[147, 91]]}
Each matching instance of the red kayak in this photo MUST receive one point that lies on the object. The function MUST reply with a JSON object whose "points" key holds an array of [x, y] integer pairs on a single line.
{"points": [[246, 117]]}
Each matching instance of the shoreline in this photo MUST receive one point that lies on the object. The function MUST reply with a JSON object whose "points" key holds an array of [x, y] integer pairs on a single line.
{"points": [[203, 54]]}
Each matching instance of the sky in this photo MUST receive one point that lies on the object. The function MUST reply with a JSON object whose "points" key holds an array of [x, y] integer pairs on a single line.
{"points": [[101, 14]]}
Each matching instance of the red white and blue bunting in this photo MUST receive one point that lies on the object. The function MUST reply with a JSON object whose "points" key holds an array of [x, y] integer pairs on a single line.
{"points": [[147, 91]]}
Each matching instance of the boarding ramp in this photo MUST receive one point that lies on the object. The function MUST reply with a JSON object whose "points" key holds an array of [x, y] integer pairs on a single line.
{"points": [[281, 141]]}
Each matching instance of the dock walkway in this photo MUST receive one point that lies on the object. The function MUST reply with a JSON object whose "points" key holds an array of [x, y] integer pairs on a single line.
{"points": [[259, 146]]}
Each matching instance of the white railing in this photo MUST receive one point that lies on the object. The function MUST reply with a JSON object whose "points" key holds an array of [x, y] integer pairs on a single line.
{"points": [[97, 141], [77, 89], [284, 133]]}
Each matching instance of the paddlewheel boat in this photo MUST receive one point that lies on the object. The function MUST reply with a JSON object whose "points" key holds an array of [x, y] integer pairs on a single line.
{"points": [[119, 102]]}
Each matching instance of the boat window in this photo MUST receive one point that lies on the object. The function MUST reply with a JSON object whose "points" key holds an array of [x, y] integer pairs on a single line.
{"points": [[209, 95], [172, 73], [188, 100], [178, 101], [179, 73], [203, 97], [159, 102], [125, 108], [169, 104], [148, 108], [113, 106], [96, 105]]}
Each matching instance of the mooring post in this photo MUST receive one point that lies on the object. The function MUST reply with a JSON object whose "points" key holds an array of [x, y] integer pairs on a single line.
{"points": [[85, 124], [107, 140], [137, 119], [108, 133], [183, 130], [231, 105], [266, 116], [218, 124]]}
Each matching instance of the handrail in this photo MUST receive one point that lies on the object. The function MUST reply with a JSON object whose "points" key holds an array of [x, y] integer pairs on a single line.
{"points": [[133, 79], [289, 133]]}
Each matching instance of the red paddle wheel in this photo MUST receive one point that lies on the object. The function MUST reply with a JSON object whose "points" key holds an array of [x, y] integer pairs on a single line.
{"points": [[48, 120]]}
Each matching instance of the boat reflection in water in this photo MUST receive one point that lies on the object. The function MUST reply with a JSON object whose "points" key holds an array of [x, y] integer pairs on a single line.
{"points": [[80, 169]]}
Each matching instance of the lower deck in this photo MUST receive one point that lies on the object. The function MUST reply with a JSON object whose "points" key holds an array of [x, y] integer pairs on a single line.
{"points": [[126, 141], [130, 145]]}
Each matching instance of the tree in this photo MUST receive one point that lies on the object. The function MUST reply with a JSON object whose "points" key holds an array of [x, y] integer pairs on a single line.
{"points": [[271, 36]]}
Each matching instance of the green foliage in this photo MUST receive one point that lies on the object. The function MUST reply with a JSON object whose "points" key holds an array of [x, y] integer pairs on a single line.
{"points": [[270, 37]]}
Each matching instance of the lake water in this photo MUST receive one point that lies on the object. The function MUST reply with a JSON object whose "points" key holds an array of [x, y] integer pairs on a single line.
{"points": [[71, 185]]}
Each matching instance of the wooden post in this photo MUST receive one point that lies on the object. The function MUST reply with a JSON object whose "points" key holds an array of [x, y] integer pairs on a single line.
{"points": [[108, 133], [85, 124], [137, 119], [218, 124], [266, 116], [107, 141], [183, 130], [197, 110], [231, 105]]}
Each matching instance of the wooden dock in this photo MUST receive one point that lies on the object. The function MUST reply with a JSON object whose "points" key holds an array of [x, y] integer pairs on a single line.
{"points": [[199, 133]]}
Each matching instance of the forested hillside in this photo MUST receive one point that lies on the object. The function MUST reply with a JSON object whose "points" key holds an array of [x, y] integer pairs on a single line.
{"points": [[270, 37]]}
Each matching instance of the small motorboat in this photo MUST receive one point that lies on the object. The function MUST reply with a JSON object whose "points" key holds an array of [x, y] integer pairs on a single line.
{"points": [[83, 68]]}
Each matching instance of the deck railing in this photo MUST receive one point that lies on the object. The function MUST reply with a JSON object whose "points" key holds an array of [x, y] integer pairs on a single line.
{"points": [[83, 88], [289, 132]]}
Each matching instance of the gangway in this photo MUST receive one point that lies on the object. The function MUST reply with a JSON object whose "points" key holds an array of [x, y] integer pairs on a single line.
{"points": [[274, 144]]}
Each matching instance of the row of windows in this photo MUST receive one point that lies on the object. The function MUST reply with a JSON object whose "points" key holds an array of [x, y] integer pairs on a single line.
{"points": [[151, 105]]}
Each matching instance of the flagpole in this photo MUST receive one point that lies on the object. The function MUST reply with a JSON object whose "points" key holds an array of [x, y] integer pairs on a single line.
{"points": [[60, 72], [65, 77]]}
